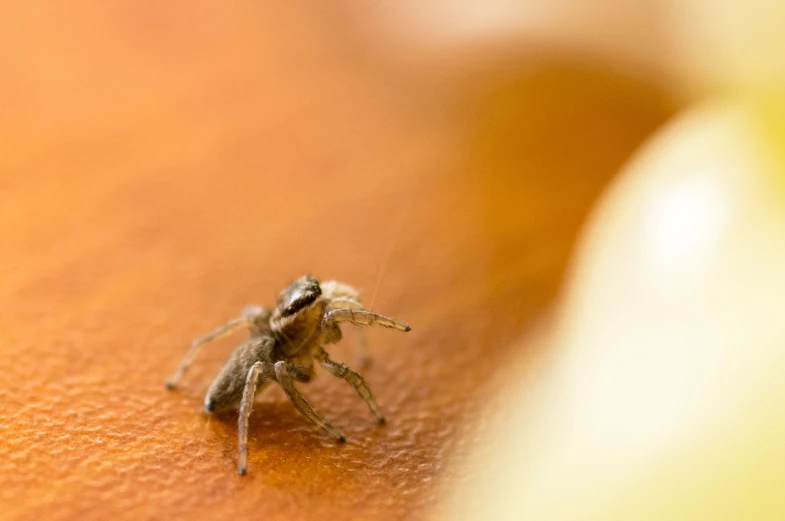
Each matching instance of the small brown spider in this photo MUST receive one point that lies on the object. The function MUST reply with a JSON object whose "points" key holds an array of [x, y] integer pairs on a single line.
{"points": [[282, 346]]}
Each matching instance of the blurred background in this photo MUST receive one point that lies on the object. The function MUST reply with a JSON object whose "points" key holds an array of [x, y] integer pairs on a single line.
{"points": [[577, 207]]}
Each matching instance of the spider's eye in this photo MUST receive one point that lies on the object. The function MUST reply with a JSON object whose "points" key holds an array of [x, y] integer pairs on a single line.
{"points": [[300, 302], [300, 294]]}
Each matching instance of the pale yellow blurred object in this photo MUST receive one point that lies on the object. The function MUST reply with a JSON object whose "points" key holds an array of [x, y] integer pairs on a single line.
{"points": [[663, 391], [722, 46], [694, 47], [665, 394]]}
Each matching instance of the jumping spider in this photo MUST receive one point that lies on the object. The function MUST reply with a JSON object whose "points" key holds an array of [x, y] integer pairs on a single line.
{"points": [[282, 346]]}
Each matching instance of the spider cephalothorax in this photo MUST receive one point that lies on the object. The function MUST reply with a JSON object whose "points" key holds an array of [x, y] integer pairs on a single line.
{"points": [[282, 346]]}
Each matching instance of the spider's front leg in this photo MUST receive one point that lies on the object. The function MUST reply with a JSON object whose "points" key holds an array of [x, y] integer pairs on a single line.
{"points": [[267, 371], [358, 317], [285, 373], [334, 333]]}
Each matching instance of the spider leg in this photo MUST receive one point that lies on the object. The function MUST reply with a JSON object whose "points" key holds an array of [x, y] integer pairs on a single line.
{"points": [[248, 314], [358, 318], [224, 330], [352, 378], [363, 352], [267, 371], [282, 373]]}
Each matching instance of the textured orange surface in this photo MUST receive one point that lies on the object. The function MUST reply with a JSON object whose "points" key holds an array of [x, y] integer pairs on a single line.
{"points": [[162, 166]]}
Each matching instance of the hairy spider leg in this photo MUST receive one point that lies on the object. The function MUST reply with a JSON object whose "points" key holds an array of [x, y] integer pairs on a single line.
{"points": [[352, 378], [248, 315], [283, 373], [267, 371], [358, 318], [215, 334], [363, 351]]}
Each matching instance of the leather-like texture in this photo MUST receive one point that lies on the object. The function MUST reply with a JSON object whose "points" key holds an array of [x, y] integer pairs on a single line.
{"points": [[163, 166]]}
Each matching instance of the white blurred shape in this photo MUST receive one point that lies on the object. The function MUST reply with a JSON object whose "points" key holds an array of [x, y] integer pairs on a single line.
{"points": [[684, 221]]}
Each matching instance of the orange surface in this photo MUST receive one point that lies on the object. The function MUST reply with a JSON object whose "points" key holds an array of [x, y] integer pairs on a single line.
{"points": [[163, 166]]}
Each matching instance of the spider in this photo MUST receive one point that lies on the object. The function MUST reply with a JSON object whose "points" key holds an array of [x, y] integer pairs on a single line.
{"points": [[282, 346]]}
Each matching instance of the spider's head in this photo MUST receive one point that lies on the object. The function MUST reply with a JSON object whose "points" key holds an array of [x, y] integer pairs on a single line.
{"points": [[300, 294]]}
